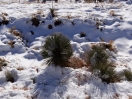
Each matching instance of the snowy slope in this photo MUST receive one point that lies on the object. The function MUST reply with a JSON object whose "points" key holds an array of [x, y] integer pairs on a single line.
{"points": [[26, 63]]}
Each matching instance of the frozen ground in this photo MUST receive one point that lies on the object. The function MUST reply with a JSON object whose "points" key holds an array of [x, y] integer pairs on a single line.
{"points": [[26, 63]]}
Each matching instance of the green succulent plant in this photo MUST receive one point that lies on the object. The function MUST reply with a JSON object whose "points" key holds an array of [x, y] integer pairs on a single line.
{"points": [[97, 58], [57, 49]]}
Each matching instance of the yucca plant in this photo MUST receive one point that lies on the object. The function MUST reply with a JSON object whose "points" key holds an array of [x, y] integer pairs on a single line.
{"points": [[57, 49], [128, 75], [97, 58], [107, 73]]}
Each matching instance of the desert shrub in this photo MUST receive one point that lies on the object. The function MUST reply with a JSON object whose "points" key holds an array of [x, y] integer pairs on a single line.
{"points": [[57, 49], [97, 59], [35, 21], [50, 26], [57, 22], [3, 63], [82, 34], [128, 75], [4, 14], [9, 76], [4, 21], [53, 13]]}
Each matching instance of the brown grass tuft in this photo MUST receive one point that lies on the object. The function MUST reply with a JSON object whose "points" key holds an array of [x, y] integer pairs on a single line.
{"points": [[76, 62], [15, 32], [112, 13], [3, 63], [20, 68], [11, 43]]}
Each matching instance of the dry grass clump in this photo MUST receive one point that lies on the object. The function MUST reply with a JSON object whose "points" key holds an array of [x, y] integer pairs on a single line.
{"points": [[3, 63], [20, 68], [9, 76], [50, 26], [11, 43], [99, 25], [5, 14], [69, 16], [35, 21], [36, 18], [58, 22], [4, 21], [109, 45], [15, 32], [121, 17], [76, 62], [112, 13]]}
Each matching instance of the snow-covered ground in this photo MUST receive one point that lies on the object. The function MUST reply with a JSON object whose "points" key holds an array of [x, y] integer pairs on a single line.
{"points": [[26, 63]]}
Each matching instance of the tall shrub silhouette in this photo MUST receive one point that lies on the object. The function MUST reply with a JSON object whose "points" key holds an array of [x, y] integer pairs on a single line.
{"points": [[57, 49]]}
